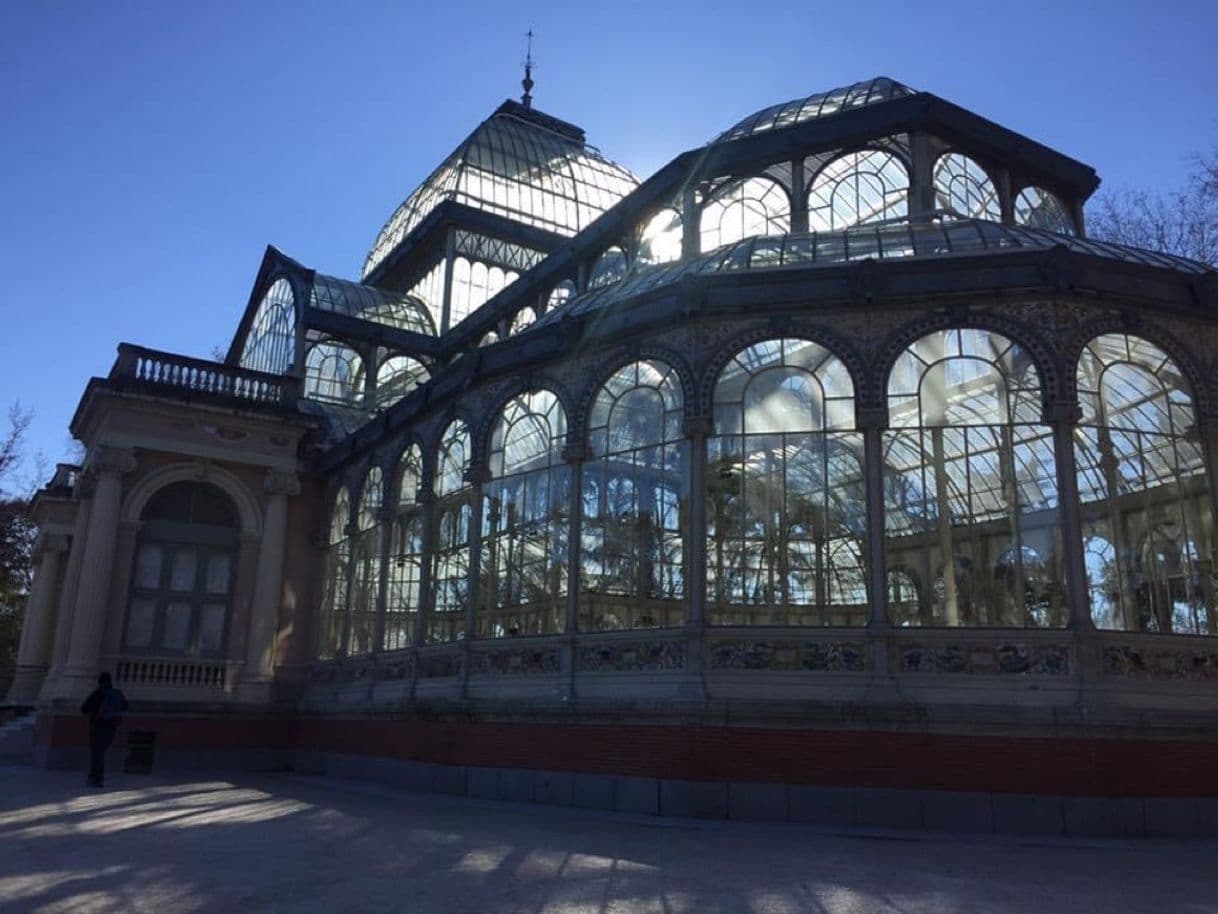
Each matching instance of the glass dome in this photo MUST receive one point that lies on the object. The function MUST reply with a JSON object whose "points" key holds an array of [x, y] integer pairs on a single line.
{"points": [[859, 95], [520, 164]]}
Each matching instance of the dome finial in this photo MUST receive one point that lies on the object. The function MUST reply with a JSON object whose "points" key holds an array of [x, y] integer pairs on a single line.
{"points": [[527, 82]]}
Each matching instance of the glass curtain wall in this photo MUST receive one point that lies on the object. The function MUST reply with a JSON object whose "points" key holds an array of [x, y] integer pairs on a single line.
{"points": [[405, 554], [525, 520], [970, 489], [366, 571], [635, 498], [1145, 493], [786, 516], [334, 592], [452, 519]]}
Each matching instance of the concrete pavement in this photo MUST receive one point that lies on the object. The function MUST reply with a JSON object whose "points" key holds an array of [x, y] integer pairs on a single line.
{"points": [[283, 843]]}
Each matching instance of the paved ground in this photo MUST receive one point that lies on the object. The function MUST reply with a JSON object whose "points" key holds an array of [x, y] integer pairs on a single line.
{"points": [[283, 843]]}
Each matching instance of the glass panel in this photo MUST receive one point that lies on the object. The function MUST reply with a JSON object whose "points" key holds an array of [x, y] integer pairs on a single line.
{"points": [[270, 342], [139, 623], [176, 633], [856, 188], [757, 206], [148, 566], [1040, 209], [963, 189], [211, 627], [219, 567], [182, 573]]}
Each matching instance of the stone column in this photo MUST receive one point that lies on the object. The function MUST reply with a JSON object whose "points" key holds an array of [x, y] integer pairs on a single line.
{"points": [[259, 671], [38, 630], [107, 465]]}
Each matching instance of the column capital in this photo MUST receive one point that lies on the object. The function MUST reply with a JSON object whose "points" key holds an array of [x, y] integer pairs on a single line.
{"points": [[278, 482], [869, 417], [106, 458]]}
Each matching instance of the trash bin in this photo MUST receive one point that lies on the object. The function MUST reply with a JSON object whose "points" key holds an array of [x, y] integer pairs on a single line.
{"points": [[141, 748]]}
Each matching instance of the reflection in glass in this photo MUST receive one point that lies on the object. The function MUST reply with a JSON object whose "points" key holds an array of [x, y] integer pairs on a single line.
{"points": [[1145, 493], [757, 206], [970, 490], [634, 502], [856, 188], [525, 520], [405, 554], [176, 633], [334, 593], [610, 267], [450, 557], [365, 580], [140, 619], [1040, 209], [660, 240], [786, 520], [334, 372], [963, 189], [397, 376]]}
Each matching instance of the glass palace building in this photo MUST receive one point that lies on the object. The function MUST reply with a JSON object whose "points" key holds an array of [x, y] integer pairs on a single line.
{"points": [[829, 474]]}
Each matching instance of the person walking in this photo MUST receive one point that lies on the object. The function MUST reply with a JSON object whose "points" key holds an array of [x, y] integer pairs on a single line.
{"points": [[104, 707]]}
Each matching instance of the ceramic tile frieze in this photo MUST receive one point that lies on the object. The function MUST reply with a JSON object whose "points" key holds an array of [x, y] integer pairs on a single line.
{"points": [[1157, 663], [632, 656], [527, 662], [828, 656], [984, 659]]}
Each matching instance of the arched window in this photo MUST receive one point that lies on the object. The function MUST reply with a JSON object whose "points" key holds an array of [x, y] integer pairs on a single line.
{"points": [[964, 189], [524, 319], [970, 481], [270, 342], [757, 206], [1144, 490], [525, 522], [334, 372], [338, 563], [185, 564], [904, 597], [785, 516], [450, 557], [560, 294], [610, 267], [405, 554], [660, 240], [859, 187], [474, 284], [397, 376], [635, 497], [1040, 209], [366, 573]]}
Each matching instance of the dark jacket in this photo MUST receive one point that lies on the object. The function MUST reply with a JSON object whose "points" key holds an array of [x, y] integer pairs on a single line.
{"points": [[93, 705]]}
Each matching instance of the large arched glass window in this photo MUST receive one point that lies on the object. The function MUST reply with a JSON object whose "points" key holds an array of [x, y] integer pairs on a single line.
{"points": [[366, 572], [450, 556], [405, 554], [270, 342], [334, 372], [1145, 494], [474, 284], [610, 267], [786, 520], [182, 583], [1040, 209], [635, 495], [970, 488], [397, 376], [963, 189], [758, 206], [858, 187], [524, 520], [334, 592]]}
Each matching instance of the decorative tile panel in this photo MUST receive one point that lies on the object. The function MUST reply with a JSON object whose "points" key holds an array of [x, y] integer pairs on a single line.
{"points": [[827, 656], [1160, 663], [633, 656], [984, 659], [525, 662]]}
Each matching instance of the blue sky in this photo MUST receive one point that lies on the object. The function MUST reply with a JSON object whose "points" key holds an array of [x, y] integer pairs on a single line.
{"points": [[150, 151]]}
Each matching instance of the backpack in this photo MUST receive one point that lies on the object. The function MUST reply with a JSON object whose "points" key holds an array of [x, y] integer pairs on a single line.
{"points": [[110, 708]]}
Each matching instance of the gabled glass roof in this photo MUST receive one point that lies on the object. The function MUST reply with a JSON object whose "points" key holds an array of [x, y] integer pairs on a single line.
{"points": [[370, 304], [859, 95], [877, 242], [520, 164]]}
